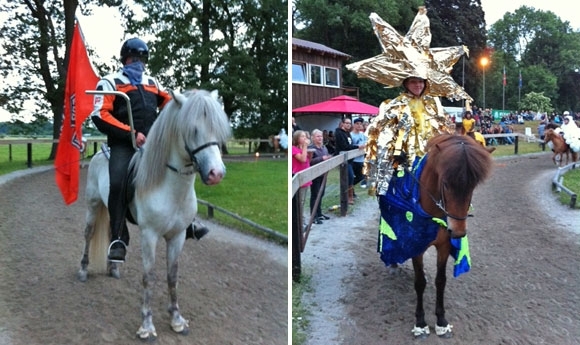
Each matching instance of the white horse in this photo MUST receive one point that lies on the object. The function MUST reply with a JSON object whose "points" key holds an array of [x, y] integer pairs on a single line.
{"points": [[184, 140]]}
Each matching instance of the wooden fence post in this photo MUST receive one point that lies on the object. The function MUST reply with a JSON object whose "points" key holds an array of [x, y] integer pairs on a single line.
{"points": [[296, 236], [343, 188], [29, 154]]}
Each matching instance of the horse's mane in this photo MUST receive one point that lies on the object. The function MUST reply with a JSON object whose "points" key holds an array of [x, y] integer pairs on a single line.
{"points": [[200, 114], [551, 134], [461, 162]]}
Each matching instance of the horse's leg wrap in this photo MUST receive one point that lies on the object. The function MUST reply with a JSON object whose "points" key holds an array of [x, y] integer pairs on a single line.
{"points": [[419, 332], [444, 332]]}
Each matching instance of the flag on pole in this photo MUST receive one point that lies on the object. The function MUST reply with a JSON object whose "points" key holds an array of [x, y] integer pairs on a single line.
{"points": [[520, 82], [504, 77], [77, 106]]}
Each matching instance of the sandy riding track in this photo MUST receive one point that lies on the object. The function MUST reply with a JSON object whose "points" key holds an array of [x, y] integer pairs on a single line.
{"points": [[523, 288], [233, 288]]}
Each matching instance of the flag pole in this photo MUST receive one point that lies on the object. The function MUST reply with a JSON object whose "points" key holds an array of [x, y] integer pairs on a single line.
{"points": [[503, 82], [463, 78], [519, 89]]}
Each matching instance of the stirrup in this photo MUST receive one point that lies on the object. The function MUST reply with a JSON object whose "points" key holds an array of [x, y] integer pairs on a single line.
{"points": [[109, 250]]}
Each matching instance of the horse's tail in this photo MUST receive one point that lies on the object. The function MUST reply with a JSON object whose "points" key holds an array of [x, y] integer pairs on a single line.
{"points": [[100, 240], [97, 216]]}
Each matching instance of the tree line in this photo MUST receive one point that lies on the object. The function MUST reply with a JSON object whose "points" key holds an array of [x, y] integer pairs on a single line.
{"points": [[534, 44], [237, 47]]}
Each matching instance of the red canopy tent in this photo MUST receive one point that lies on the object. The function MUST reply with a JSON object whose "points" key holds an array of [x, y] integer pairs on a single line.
{"points": [[340, 104]]}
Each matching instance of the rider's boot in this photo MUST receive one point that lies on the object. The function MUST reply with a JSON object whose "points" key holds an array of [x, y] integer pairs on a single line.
{"points": [[196, 231]]}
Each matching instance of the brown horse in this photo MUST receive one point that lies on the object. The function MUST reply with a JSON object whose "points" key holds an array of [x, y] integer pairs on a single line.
{"points": [[559, 147], [443, 181]]}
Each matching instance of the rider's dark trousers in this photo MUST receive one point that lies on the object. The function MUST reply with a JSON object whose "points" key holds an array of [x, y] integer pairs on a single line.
{"points": [[118, 165]]}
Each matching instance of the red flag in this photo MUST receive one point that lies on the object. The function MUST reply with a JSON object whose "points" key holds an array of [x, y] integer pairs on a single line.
{"points": [[504, 77], [77, 107]]}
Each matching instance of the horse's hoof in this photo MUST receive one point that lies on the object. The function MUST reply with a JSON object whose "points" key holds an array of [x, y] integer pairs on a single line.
{"points": [[181, 328], [146, 335], [82, 275], [444, 332], [394, 269], [420, 333], [114, 272]]}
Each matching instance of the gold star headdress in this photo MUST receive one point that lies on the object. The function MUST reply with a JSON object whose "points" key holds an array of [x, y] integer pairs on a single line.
{"points": [[410, 56]]}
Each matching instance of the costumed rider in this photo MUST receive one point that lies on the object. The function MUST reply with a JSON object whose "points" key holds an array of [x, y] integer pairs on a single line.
{"points": [[570, 132], [399, 134], [110, 116]]}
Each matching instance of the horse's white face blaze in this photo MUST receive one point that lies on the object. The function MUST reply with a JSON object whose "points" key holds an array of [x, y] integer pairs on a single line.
{"points": [[211, 167]]}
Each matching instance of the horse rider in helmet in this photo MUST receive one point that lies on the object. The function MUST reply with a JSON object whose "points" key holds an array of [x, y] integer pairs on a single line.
{"points": [[110, 116]]}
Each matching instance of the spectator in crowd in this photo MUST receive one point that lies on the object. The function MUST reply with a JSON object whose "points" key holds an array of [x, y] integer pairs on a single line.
{"points": [[319, 154], [344, 143], [300, 156], [468, 122], [331, 144], [295, 126], [542, 134], [358, 138]]}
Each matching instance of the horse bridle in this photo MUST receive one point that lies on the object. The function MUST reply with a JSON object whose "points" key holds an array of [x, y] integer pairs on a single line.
{"points": [[192, 153], [441, 202]]}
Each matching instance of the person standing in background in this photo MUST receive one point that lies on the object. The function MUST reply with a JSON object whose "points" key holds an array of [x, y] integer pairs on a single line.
{"points": [[358, 138], [343, 144], [319, 154]]}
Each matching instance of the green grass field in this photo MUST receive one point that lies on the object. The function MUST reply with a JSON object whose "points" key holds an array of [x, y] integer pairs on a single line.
{"points": [[257, 191]]}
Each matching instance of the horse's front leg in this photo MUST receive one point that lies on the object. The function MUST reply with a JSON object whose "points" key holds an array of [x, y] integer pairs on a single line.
{"points": [[148, 243], [421, 330], [174, 247], [443, 328]]}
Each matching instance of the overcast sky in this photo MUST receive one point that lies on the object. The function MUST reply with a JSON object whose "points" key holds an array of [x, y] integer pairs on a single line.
{"points": [[567, 10]]}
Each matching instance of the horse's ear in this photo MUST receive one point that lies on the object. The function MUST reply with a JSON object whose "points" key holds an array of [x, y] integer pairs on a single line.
{"points": [[179, 98]]}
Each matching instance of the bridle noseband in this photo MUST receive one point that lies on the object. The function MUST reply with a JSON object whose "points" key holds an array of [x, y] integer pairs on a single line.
{"points": [[194, 163], [441, 204]]}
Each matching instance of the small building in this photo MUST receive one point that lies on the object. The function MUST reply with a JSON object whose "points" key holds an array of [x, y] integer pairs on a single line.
{"points": [[317, 77]]}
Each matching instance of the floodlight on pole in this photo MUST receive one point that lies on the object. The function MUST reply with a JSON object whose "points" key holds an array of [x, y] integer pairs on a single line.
{"points": [[484, 61]]}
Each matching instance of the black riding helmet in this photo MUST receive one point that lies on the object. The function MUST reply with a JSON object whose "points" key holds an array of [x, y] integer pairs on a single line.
{"points": [[134, 47]]}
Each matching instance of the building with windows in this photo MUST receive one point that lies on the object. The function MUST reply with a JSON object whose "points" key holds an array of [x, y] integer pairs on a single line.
{"points": [[317, 77], [316, 73]]}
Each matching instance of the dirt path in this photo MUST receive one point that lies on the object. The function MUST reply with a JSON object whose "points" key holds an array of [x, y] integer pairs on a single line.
{"points": [[523, 287], [233, 288]]}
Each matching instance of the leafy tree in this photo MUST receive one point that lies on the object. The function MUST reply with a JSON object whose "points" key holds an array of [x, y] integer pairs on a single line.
{"points": [[237, 47], [345, 26], [460, 22], [247, 63], [536, 102], [32, 40], [544, 49]]}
